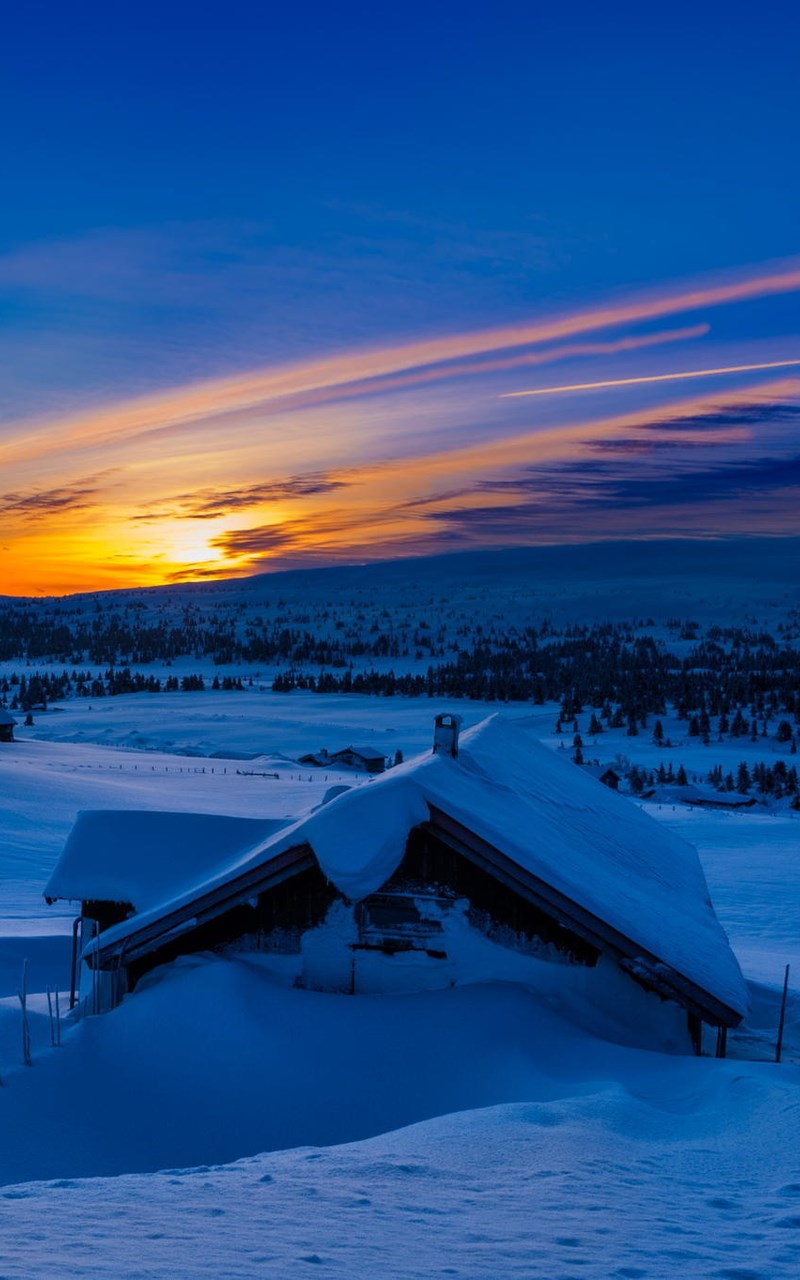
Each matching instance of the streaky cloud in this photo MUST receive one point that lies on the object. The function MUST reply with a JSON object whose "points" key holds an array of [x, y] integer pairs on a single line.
{"points": [[654, 377], [182, 407]]}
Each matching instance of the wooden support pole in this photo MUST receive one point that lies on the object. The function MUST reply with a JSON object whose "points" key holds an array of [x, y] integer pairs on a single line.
{"points": [[722, 1042], [26, 1029], [782, 1019], [73, 972]]}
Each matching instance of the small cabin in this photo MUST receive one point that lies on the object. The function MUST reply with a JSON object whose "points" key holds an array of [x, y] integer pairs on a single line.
{"points": [[604, 773], [365, 758], [488, 858], [702, 796], [7, 723]]}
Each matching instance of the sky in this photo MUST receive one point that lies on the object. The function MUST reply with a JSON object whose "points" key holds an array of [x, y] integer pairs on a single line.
{"points": [[277, 285]]}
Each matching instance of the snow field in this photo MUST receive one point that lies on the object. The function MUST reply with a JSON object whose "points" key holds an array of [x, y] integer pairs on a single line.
{"points": [[700, 1183], [536, 1148]]}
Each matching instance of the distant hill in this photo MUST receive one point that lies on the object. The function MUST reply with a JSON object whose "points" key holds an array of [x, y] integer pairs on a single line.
{"points": [[733, 578]]}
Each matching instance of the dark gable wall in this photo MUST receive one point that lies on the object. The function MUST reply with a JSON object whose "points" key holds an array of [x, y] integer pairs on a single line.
{"points": [[429, 864], [301, 902]]}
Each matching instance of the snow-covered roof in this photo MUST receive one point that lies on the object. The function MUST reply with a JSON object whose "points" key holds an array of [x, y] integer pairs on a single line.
{"points": [[600, 770], [146, 858], [6, 717], [694, 794], [596, 849], [364, 753]]}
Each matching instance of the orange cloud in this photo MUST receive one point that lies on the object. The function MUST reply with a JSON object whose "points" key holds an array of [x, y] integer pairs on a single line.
{"points": [[405, 506], [198, 489], [400, 507], [182, 407], [438, 373]]}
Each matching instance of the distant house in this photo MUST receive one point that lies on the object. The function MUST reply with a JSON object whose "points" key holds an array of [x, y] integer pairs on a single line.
{"points": [[704, 797], [7, 723], [366, 758], [488, 852], [605, 774]]}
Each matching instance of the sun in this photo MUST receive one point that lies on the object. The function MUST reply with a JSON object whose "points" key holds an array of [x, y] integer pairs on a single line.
{"points": [[188, 542], [196, 551]]}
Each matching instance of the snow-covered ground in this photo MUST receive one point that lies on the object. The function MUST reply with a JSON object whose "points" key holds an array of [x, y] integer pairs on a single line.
{"points": [[584, 1159], [536, 1147]]}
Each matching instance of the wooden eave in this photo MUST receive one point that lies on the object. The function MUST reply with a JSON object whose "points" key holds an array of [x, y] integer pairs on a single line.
{"points": [[206, 906]]}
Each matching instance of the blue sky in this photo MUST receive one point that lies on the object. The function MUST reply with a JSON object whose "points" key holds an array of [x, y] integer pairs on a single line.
{"points": [[193, 192]]}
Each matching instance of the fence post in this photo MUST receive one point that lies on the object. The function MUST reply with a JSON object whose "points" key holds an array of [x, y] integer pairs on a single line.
{"points": [[26, 1030], [782, 1019]]}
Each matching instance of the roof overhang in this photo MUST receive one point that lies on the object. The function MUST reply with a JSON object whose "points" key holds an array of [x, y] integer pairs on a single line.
{"points": [[647, 968], [136, 942]]}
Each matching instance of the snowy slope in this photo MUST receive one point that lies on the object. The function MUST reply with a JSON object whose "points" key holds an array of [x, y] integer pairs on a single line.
{"points": [[589, 1159], [586, 1159]]}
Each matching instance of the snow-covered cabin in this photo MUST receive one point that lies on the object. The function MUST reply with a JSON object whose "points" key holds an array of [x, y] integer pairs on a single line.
{"points": [[494, 859], [705, 797], [7, 723], [604, 773], [365, 758]]}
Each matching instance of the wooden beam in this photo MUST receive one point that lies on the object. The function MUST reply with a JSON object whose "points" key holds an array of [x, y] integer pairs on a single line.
{"points": [[205, 907]]}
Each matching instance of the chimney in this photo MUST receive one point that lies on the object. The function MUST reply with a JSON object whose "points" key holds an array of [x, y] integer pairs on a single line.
{"points": [[445, 735]]}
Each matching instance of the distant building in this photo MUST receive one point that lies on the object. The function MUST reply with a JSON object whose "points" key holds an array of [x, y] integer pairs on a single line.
{"points": [[7, 723], [703, 796], [429, 876], [366, 758], [605, 774]]}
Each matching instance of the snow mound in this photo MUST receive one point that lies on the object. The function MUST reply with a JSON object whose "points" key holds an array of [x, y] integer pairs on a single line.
{"points": [[520, 1145]]}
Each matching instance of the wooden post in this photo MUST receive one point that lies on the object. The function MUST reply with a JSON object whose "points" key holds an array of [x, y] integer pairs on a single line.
{"points": [[50, 1015], [722, 1042], [26, 1030], [696, 1033], [782, 1019], [73, 973]]}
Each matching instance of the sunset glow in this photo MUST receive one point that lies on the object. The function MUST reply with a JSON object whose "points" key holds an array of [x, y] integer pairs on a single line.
{"points": [[383, 324]]}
